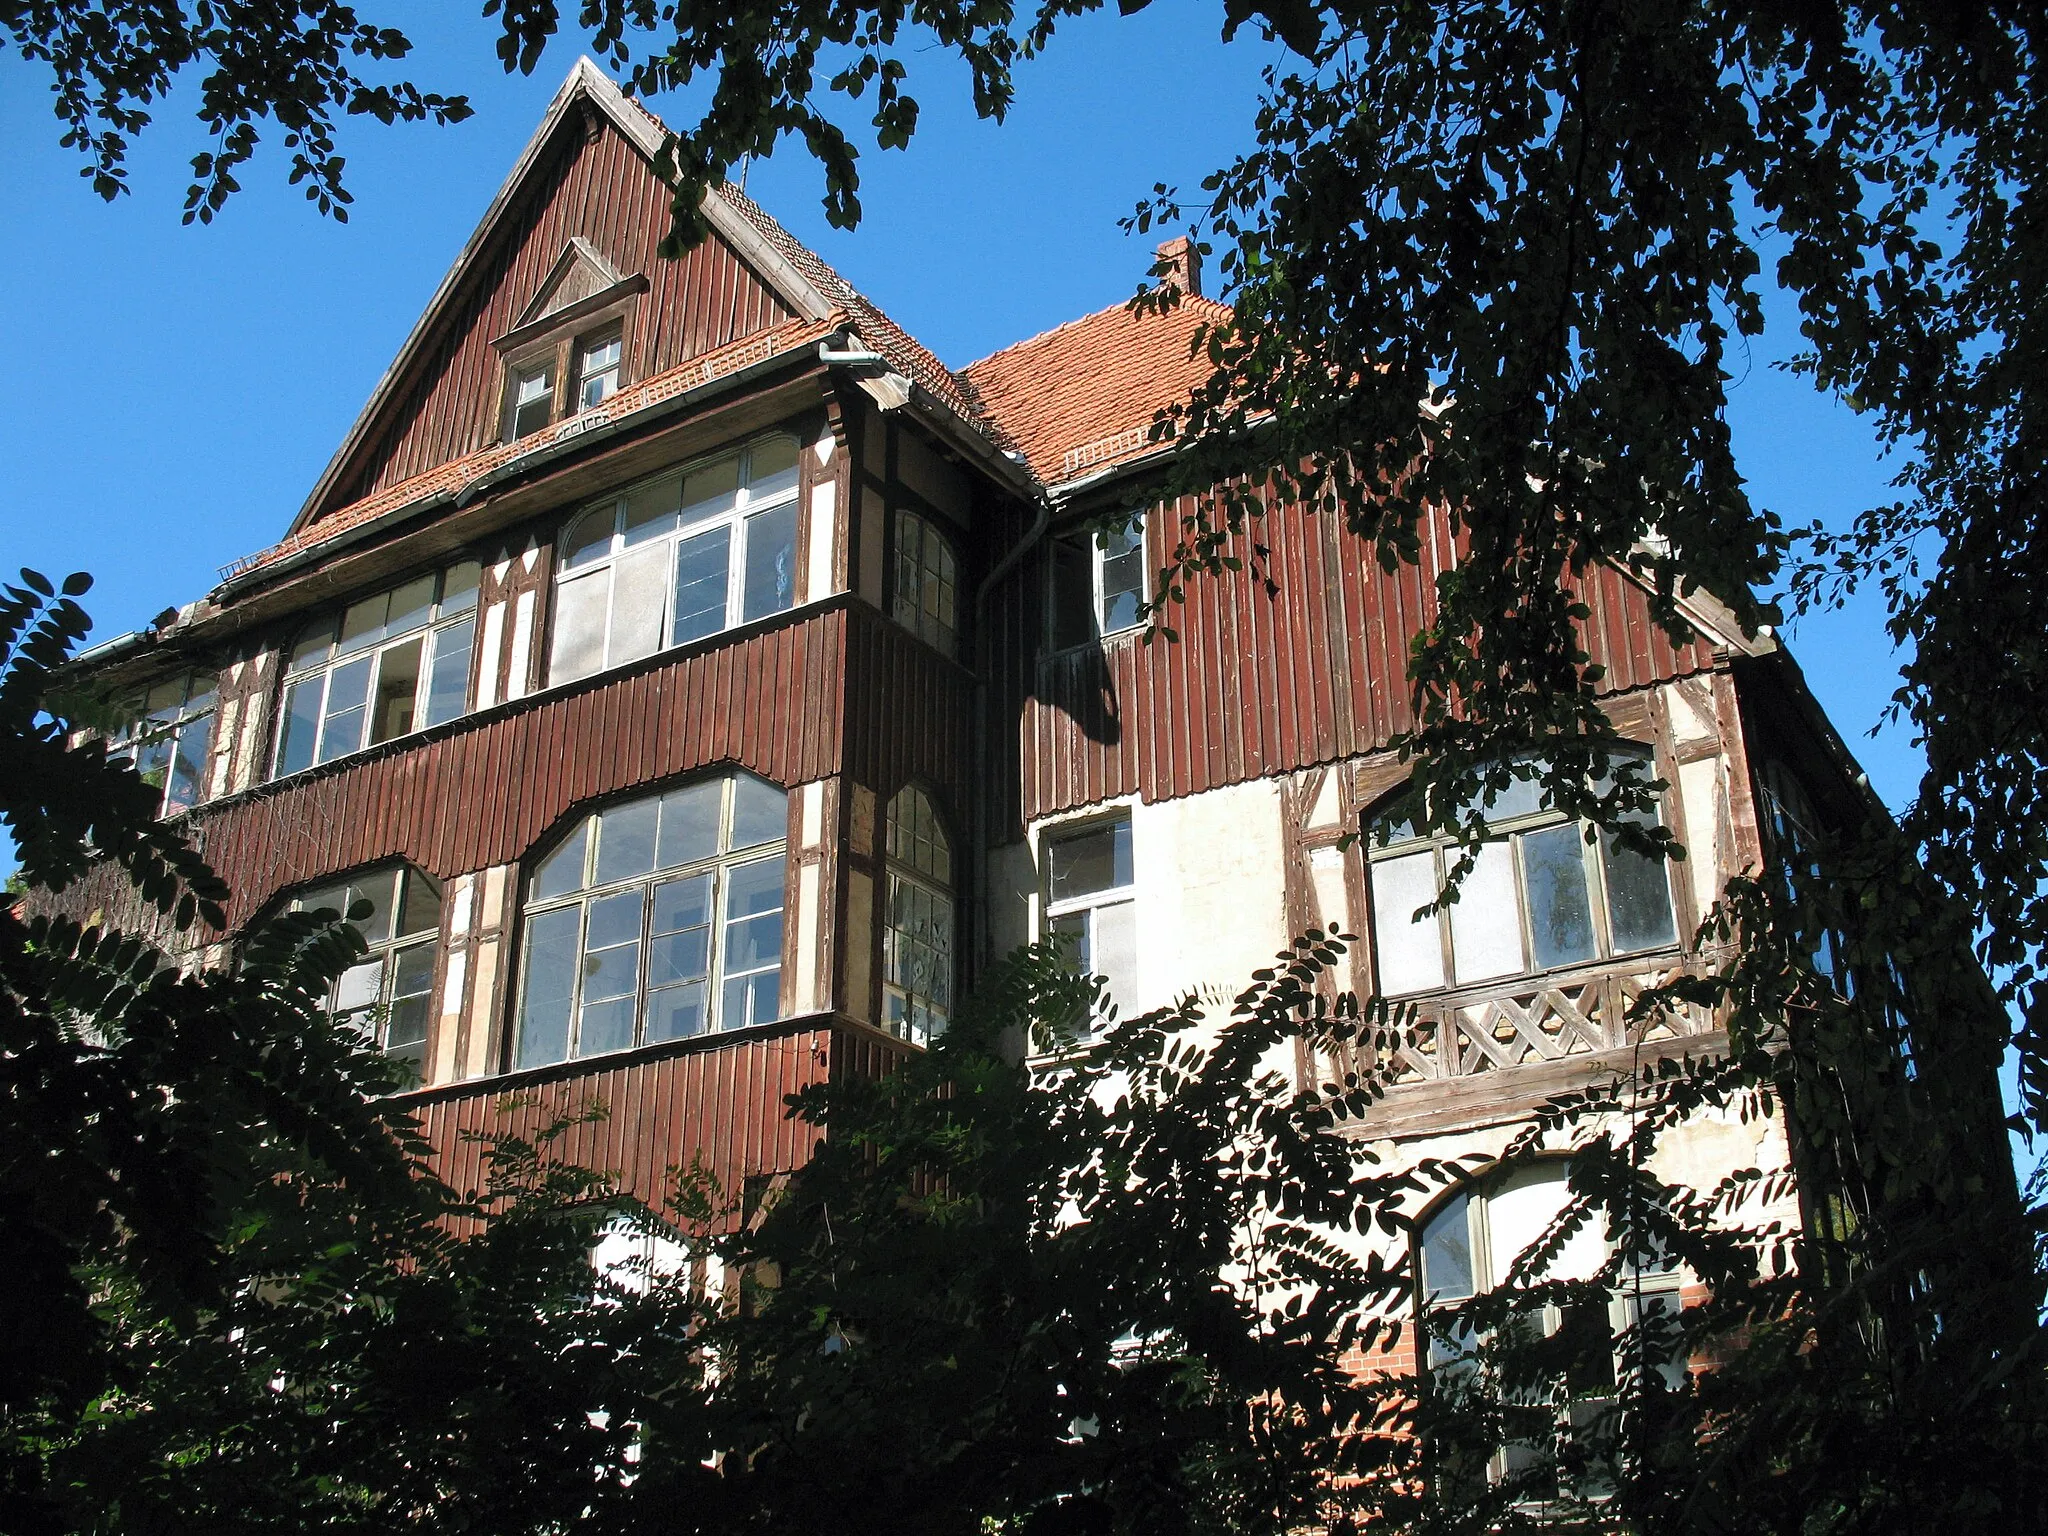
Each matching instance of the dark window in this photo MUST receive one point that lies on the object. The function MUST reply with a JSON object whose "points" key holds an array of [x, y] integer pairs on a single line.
{"points": [[388, 994], [533, 400]]}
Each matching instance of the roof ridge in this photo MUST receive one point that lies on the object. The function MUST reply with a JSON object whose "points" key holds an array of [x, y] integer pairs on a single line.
{"points": [[1067, 325]]}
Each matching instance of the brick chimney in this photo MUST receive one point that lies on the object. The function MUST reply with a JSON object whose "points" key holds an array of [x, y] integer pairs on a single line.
{"points": [[1183, 265]]}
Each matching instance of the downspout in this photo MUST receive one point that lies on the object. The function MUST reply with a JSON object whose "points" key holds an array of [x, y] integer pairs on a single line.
{"points": [[1039, 522]]}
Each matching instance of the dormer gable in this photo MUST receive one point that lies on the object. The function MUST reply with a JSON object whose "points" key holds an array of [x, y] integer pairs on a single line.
{"points": [[580, 273]]}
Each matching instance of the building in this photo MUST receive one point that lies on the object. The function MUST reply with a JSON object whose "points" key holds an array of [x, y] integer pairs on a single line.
{"points": [[702, 680]]}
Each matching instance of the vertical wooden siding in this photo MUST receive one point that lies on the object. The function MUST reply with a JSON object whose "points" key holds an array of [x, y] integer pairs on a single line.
{"points": [[602, 190], [1261, 684]]}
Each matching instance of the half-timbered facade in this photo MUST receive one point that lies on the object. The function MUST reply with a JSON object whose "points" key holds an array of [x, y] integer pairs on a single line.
{"points": [[701, 679]]}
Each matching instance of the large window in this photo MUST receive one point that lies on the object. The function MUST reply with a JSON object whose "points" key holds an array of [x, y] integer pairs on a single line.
{"points": [[387, 994], [1091, 902], [917, 941], [655, 920], [676, 559], [1469, 1247], [381, 668], [1098, 584], [926, 597], [170, 739], [1540, 897]]}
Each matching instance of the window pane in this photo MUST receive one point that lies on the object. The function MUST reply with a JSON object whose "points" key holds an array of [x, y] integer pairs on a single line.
{"points": [[1073, 593], [420, 911], [1123, 578], [188, 765], [1486, 930], [458, 588], [1411, 954], [1115, 952], [1554, 883], [549, 987], [625, 841], [362, 624], [580, 606], [313, 648], [750, 1000], [411, 606], [1447, 1252], [590, 537], [448, 685], [614, 925], [754, 889], [1521, 1208], [639, 605], [562, 871], [377, 889], [1520, 797], [534, 403], [700, 586], [651, 511], [676, 1013], [1071, 933], [1095, 860], [360, 986], [398, 690], [689, 823], [709, 492], [771, 468], [760, 812], [680, 947], [605, 1026], [1638, 899], [771, 563], [348, 689], [200, 697], [752, 942]]}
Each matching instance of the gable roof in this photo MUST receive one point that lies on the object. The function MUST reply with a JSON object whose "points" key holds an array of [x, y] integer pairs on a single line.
{"points": [[1082, 396]]}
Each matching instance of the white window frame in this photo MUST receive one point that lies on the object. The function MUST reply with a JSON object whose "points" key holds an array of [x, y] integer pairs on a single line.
{"points": [[452, 612], [614, 336], [925, 596], [920, 863], [1088, 906], [719, 866], [748, 504], [1098, 594], [172, 728], [542, 369], [1385, 847], [375, 1015]]}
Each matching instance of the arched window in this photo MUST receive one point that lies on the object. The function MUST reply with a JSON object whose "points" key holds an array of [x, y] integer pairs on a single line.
{"points": [[388, 993], [381, 668], [170, 739], [917, 941], [655, 920], [926, 596], [677, 558], [1469, 1245], [1539, 898]]}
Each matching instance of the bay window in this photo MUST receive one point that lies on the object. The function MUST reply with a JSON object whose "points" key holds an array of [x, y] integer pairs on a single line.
{"points": [[676, 559], [380, 669], [386, 995], [170, 739], [656, 919]]}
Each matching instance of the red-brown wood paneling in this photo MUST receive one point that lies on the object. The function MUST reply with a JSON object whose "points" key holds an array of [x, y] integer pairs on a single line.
{"points": [[599, 188]]}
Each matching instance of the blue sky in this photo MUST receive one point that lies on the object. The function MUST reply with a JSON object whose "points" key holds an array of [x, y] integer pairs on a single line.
{"points": [[179, 389]]}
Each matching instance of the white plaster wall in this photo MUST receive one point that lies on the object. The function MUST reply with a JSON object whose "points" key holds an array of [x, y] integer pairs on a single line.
{"points": [[1210, 888]]}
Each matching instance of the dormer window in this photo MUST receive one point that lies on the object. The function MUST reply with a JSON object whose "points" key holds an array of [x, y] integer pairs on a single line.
{"points": [[597, 370], [533, 400], [567, 353]]}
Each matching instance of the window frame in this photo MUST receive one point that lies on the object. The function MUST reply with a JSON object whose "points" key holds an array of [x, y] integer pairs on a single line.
{"points": [[580, 349], [934, 565], [386, 953], [736, 517], [1088, 905], [717, 868], [168, 726], [1512, 831], [922, 1018], [432, 632], [559, 354], [1099, 558]]}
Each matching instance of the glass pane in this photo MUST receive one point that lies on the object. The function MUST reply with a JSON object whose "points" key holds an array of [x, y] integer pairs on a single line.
{"points": [[360, 986], [1638, 899], [590, 537], [189, 764], [411, 606], [458, 588], [1411, 952], [710, 491], [1520, 797], [448, 684], [1554, 885], [701, 563], [398, 690], [676, 1013], [420, 911], [1123, 578], [771, 468], [535, 403], [1518, 1212], [625, 841], [413, 971], [580, 605], [614, 926], [771, 563], [562, 871], [680, 948], [348, 688], [1447, 1252], [760, 812], [651, 511], [689, 823], [200, 696], [1486, 930], [753, 942], [1115, 952], [362, 624], [313, 647], [300, 725], [753, 889], [1073, 593], [1071, 933], [377, 889], [750, 1000], [153, 759], [407, 1023], [639, 605], [324, 898], [605, 1026], [548, 989], [1096, 860]]}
